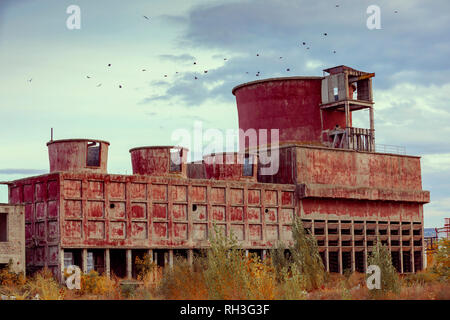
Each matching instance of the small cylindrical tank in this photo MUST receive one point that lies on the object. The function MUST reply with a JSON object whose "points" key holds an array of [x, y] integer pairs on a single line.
{"points": [[231, 166], [159, 161], [78, 155]]}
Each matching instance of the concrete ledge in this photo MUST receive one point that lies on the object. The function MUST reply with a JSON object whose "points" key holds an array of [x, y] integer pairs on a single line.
{"points": [[358, 193]]}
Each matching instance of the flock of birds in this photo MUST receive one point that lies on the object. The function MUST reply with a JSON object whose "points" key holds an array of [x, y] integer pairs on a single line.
{"points": [[303, 44]]}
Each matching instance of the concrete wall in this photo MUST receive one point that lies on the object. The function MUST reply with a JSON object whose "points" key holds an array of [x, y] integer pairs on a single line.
{"points": [[14, 248]]}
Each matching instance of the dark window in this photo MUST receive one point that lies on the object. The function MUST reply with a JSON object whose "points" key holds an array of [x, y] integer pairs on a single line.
{"points": [[383, 232], [346, 260], [332, 231], [248, 167], [93, 154], [370, 232], [320, 243], [333, 243], [318, 231], [405, 232], [417, 243], [175, 160], [345, 231], [359, 261], [417, 260], [394, 232], [395, 243], [334, 261], [358, 232], [416, 232], [346, 243], [3, 227], [359, 243]]}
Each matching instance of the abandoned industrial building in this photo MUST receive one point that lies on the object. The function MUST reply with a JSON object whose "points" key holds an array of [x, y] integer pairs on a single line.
{"points": [[331, 175]]}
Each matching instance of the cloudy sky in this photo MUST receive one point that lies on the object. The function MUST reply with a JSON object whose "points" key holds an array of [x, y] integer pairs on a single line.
{"points": [[44, 70]]}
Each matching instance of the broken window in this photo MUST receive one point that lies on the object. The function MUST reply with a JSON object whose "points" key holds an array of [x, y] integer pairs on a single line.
{"points": [[248, 167], [175, 160], [335, 93], [93, 154], [3, 227]]}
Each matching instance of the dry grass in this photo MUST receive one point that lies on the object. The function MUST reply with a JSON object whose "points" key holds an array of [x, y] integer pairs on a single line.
{"points": [[227, 273]]}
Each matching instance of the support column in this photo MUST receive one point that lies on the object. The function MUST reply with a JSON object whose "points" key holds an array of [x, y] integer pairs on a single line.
{"points": [[61, 262], [129, 264], [107, 263], [190, 255], [353, 247], [166, 258], [340, 247], [264, 255], [150, 254], [372, 129], [366, 251], [84, 258], [171, 258], [327, 252]]}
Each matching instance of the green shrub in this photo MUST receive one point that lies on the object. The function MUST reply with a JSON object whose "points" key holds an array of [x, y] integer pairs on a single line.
{"points": [[390, 281]]}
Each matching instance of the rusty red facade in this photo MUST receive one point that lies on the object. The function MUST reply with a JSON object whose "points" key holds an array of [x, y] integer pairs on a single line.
{"points": [[346, 198]]}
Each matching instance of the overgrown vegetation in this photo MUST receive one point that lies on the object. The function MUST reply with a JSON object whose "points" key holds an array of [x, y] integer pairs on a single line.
{"points": [[227, 272], [390, 281]]}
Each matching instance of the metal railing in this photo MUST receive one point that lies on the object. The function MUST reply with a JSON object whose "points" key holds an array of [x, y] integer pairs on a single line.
{"points": [[387, 148]]}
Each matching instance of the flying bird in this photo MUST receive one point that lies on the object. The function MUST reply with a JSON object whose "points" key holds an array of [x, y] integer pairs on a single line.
{"points": [[165, 76], [30, 80], [304, 43], [288, 69], [337, 6], [88, 77], [395, 11], [281, 57], [325, 34], [146, 17], [195, 62], [144, 70], [206, 71], [224, 59], [99, 85], [109, 64], [334, 51], [307, 48], [195, 78], [120, 86]]}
